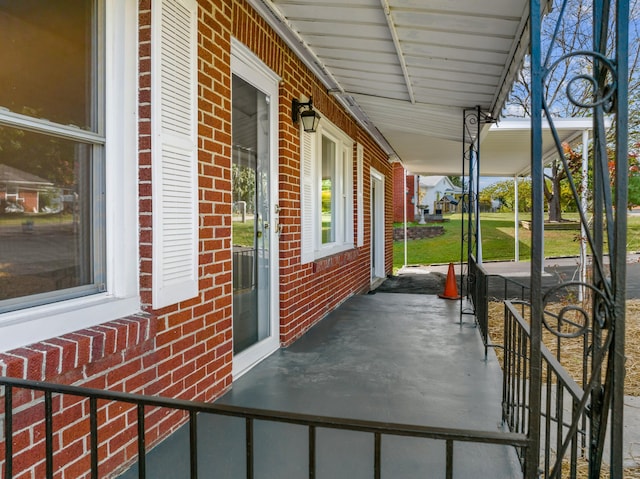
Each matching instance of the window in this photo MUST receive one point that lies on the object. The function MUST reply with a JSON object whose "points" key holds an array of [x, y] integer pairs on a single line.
{"points": [[52, 74], [327, 192], [328, 183], [60, 211]]}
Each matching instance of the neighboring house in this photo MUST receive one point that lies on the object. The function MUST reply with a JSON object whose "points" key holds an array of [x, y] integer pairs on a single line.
{"points": [[434, 193], [20, 191], [156, 299], [438, 194]]}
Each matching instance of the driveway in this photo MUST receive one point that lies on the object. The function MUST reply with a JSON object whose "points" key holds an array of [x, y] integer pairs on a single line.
{"points": [[431, 279]]}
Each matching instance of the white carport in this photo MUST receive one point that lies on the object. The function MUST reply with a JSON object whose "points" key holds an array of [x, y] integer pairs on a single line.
{"points": [[506, 148], [505, 152], [407, 69]]}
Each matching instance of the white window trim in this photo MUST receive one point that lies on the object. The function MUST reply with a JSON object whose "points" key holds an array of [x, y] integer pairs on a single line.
{"points": [[359, 194], [27, 326], [313, 249]]}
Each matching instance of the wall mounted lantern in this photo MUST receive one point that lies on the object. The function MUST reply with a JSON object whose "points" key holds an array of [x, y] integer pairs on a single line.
{"points": [[309, 117]]}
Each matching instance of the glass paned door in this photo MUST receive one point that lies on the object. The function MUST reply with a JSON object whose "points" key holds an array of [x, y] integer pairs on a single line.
{"points": [[251, 215], [377, 226], [374, 227]]}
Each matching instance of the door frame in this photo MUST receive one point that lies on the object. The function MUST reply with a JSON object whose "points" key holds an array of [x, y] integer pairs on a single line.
{"points": [[251, 69], [377, 226]]}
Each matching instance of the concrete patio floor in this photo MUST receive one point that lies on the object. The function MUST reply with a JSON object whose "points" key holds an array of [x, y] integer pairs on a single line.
{"points": [[400, 358]]}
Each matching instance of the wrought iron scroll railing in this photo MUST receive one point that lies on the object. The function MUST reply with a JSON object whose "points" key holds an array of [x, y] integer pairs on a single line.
{"points": [[471, 125], [563, 426], [474, 120], [97, 401], [595, 80]]}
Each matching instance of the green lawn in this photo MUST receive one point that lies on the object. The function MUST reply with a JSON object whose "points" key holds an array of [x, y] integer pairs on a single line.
{"points": [[498, 241], [243, 234], [17, 219]]}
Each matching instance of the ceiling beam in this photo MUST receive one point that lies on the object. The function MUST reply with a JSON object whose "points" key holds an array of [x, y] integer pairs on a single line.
{"points": [[399, 52], [272, 15]]}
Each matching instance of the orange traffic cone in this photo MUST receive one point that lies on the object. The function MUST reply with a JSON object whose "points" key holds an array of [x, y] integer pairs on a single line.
{"points": [[450, 287]]}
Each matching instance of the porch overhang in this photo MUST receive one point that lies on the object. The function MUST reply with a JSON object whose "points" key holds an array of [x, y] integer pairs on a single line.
{"points": [[407, 69], [505, 148]]}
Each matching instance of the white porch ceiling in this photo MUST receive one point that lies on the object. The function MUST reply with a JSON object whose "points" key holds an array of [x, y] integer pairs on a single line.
{"points": [[507, 144], [407, 69], [505, 148]]}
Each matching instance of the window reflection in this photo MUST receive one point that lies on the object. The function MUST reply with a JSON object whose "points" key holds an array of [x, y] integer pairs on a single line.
{"points": [[328, 190], [250, 233], [47, 58], [45, 214]]}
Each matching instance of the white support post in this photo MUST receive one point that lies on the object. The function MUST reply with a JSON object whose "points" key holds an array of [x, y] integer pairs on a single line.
{"points": [[404, 206], [476, 175], [583, 200], [516, 219]]}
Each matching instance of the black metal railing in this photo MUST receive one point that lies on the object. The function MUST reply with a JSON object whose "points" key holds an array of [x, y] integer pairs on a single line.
{"points": [[244, 268], [563, 426], [195, 409], [480, 284]]}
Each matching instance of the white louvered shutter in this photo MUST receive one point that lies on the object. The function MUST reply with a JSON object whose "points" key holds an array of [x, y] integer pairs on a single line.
{"points": [[359, 194], [174, 150], [307, 197]]}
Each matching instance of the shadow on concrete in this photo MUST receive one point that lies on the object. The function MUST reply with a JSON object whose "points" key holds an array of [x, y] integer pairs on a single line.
{"points": [[413, 283]]}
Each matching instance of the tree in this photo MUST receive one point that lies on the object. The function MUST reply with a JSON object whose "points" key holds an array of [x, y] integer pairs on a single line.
{"points": [[556, 190], [633, 194], [243, 179], [553, 194], [633, 191], [45, 156], [504, 192], [572, 36], [455, 181]]}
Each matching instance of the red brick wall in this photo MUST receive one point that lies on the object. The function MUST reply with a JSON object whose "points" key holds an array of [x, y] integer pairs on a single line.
{"points": [[400, 192], [28, 199], [307, 296], [118, 356], [185, 350]]}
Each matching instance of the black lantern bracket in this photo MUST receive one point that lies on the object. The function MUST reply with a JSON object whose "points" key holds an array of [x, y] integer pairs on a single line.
{"points": [[310, 118]]}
